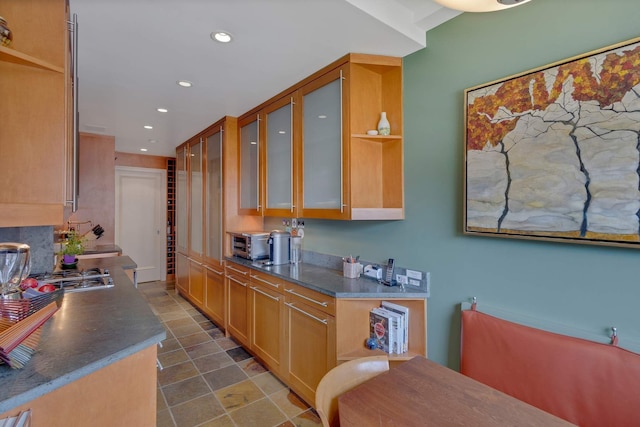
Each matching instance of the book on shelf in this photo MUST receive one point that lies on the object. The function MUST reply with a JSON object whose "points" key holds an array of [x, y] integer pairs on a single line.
{"points": [[386, 328], [404, 312]]}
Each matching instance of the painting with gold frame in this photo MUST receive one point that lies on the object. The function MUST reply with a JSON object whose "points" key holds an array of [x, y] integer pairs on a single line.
{"points": [[554, 153]]}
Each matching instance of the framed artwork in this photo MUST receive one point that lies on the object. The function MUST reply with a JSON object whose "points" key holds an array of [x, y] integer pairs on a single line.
{"points": [[554, 153]]}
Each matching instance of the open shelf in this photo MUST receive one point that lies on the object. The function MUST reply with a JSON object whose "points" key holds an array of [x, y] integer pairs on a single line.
{"points": [[17, 57], [379, 138]]}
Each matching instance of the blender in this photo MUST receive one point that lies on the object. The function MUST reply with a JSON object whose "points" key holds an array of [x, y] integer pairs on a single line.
{"points": [[15, 264]]}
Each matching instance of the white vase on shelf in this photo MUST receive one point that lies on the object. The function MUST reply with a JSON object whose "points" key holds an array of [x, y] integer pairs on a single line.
{"points": [[383, 125]]}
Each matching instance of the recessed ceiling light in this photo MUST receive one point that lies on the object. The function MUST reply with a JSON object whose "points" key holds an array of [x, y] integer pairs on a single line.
{"points": [[185, 83], [163, 110], [143, 149], [253, 143], [221, 36], [322, 116], [153, 141], [281, 132], [148, 127]]}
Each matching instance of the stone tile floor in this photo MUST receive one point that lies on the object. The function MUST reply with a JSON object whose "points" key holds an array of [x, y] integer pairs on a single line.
{"points": [[208, 380]]}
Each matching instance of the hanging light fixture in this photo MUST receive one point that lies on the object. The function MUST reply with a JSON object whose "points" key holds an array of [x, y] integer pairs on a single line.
{"points": [[480, 5]]}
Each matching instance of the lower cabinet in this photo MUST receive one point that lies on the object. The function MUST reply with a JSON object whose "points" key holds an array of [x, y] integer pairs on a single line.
{"points": [[310, 336], [310, 333], [237, 281], [182, 274], [196, 282], [267, 311], [120, 394], [214, 294]]}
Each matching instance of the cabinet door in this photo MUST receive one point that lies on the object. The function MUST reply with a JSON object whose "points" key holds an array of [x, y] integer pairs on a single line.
{"points": [[196, 283], [213, 197], [196, 188], [278, 158], [267, 322], [182, 274], [311, 347], [249, 166], [33, 137], [214, 296], [182, 237], [237, 280], [325, 154]]}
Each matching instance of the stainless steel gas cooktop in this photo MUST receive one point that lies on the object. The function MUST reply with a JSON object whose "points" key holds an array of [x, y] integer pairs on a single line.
{"points": [[77, 280]]}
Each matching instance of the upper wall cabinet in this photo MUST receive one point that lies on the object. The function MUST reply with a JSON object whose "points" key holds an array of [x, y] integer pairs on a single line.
{"points": [[278, 158], [310, 149], [249, 166], [34, 83]]}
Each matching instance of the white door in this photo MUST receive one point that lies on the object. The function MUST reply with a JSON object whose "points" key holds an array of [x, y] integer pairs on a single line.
{"points": [[141, 211]]}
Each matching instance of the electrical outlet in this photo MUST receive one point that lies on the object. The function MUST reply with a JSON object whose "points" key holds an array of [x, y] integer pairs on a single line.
{"points": [[412, 274], [294, 223], [401, 279]]}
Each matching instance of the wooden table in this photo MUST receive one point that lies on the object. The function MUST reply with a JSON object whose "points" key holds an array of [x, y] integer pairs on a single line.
{"points": [[421, 393]]}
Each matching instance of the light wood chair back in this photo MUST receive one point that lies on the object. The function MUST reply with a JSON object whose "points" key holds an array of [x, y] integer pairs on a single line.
{"points": [[341, 379]]}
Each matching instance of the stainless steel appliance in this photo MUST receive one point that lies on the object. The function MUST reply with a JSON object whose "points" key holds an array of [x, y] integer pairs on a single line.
{"points": [[250, 244], [77, 280], [279, 247]]}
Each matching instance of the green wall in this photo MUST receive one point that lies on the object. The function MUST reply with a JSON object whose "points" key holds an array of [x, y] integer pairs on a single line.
{"points": [[582, 286]]}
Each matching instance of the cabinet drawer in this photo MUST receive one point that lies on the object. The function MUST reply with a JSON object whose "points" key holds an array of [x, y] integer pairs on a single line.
{"points": [[238, 271], [310, 297], [267, 281]]}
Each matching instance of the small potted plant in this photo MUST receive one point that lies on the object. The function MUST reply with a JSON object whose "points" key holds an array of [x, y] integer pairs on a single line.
{"points": [[72, 247]]}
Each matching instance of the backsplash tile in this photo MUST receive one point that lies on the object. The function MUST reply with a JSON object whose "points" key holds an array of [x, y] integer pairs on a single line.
{"points": [[39, 239]]}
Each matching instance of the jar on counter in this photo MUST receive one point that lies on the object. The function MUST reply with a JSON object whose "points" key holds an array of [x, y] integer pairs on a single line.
{"points": [[6, 37]]}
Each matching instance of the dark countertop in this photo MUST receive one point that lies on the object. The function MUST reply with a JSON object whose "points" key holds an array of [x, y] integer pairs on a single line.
{"points": [[332, 282], [102, 249], [91, 330]]}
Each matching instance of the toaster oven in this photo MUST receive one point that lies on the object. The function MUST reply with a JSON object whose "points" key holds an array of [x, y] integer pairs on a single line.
{"points": [[252, 245]]}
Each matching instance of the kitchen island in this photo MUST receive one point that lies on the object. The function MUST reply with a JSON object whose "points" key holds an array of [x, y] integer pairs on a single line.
{"points": [[96, 360]]}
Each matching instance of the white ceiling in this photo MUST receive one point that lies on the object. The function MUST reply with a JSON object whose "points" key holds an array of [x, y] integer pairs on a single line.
{"points": [[132, 52]]}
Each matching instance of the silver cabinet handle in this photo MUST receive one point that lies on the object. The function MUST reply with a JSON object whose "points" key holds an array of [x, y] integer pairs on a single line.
{"points": [[159, 365], [321, 303], [275, 285], [324, 321], [264, 293], [219, 273], [237, 281], [244, 273], [195, 262]]}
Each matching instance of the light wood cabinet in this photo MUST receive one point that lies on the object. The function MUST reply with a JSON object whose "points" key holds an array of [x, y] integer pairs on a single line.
{"points": [[267, 321], [237, 285], [310, 331], [34, 135], [306, 152], [215, 295], [280, 168], [249, 200], [196, 282], [182, 274], [120, 394]]}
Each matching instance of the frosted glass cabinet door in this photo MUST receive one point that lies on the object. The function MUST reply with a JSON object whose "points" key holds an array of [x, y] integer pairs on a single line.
{"points": [[249, 172], [322, 146], [195, 165], [214, 196], [181, 201], [279, 146]]}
